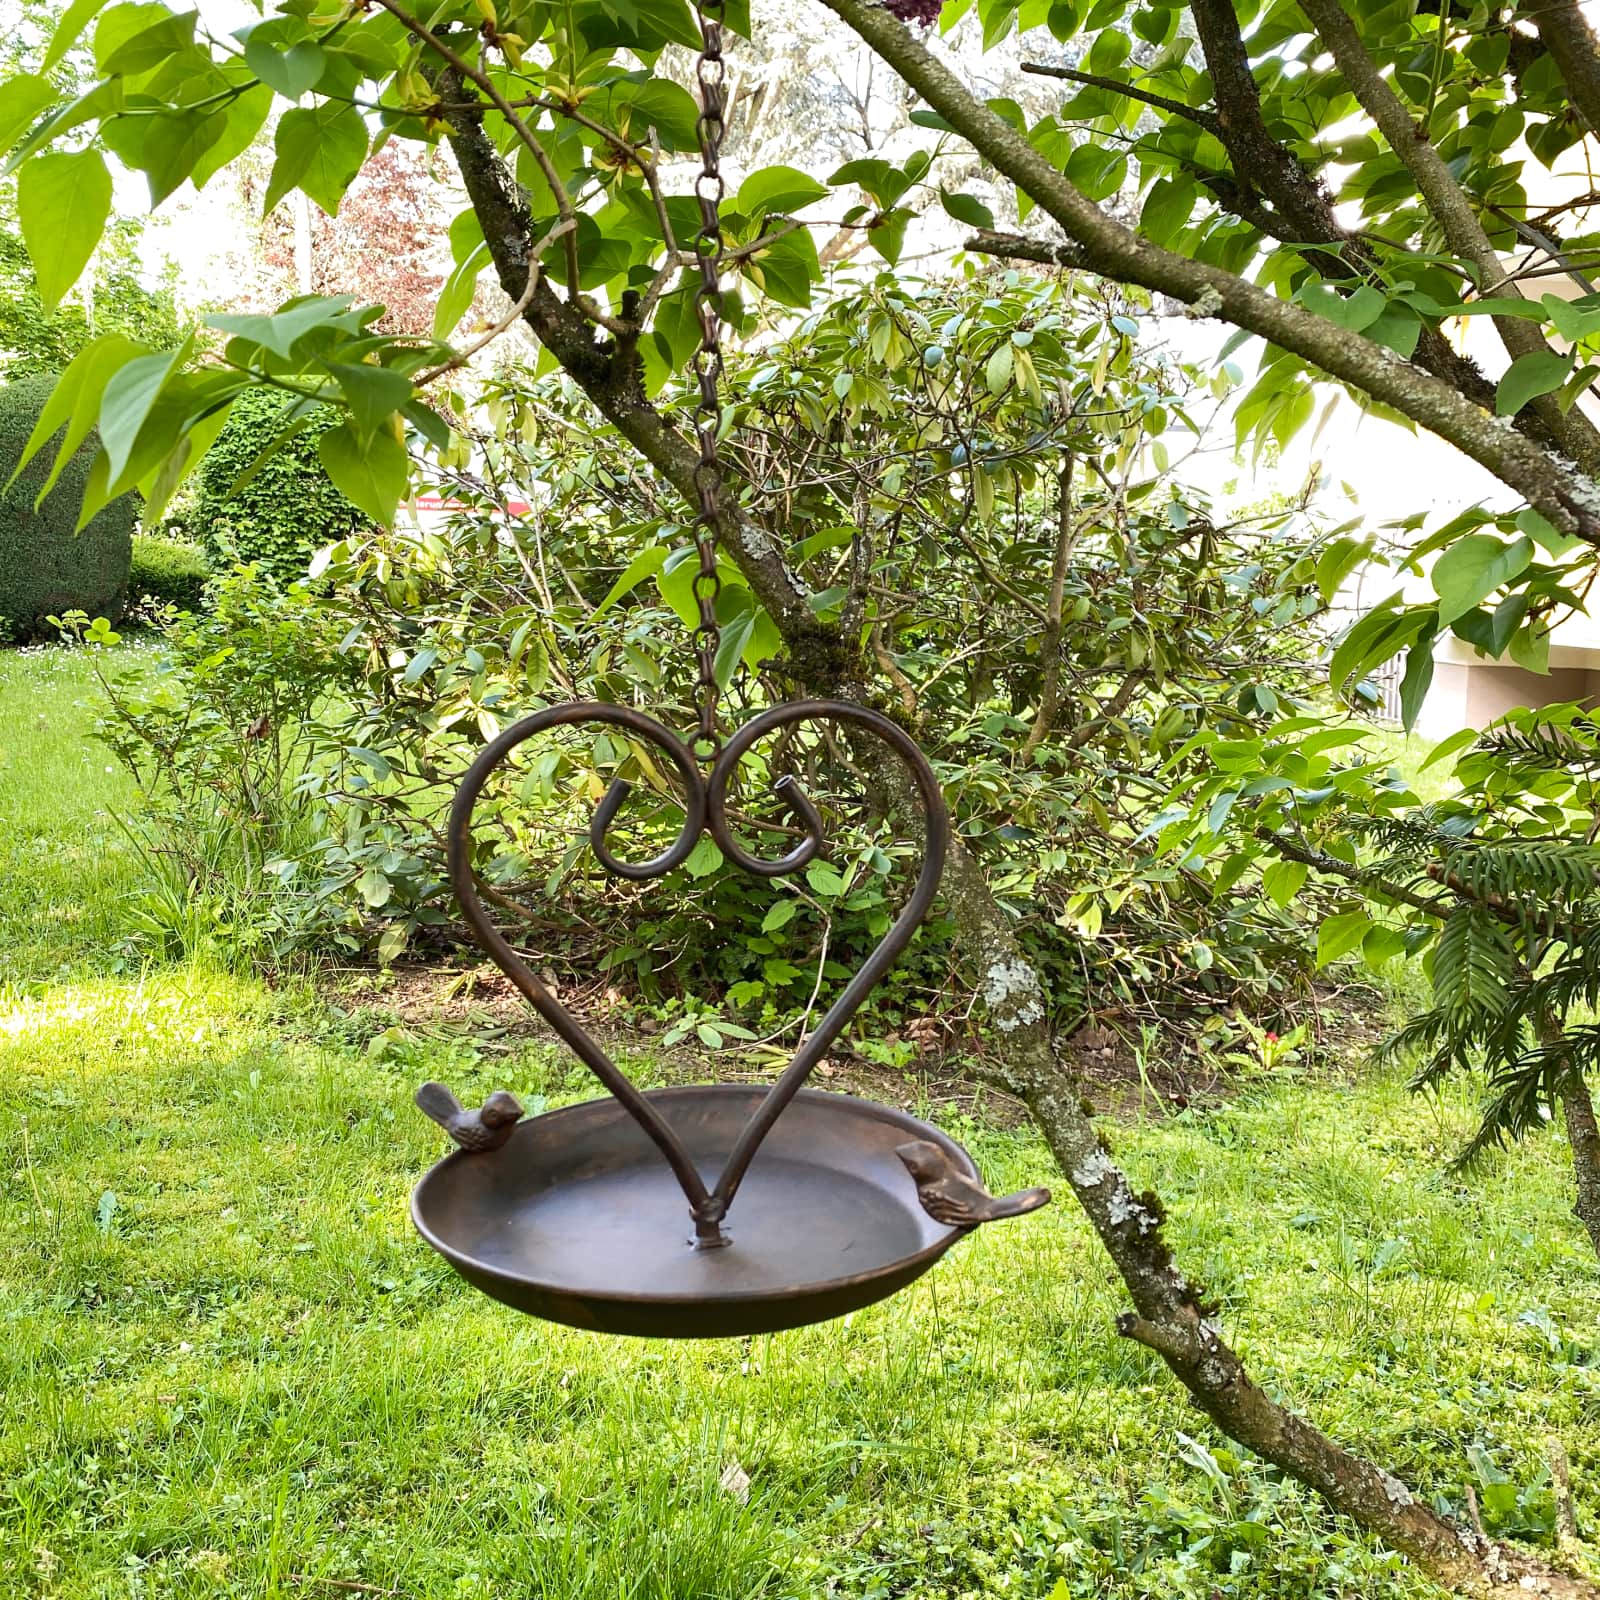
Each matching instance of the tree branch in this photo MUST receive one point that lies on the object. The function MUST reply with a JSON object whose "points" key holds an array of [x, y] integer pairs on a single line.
{"points": [[1568, 37], [1450, 207], [1564, 495], [1302, 210]]}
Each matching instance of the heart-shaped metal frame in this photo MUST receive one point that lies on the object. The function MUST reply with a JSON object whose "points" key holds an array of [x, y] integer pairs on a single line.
{"points": [[705, 811]]}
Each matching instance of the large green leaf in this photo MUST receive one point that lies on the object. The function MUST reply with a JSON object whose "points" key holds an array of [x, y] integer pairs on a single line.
{"points": [[165, 145], [291, 69], [1339, 935], [644, 565], [128, 400], [284, 328], [771, 191], [368, 470], [75, 401], [318, 150], [967, 208], [22, 98], [787, 268], [1473, 568], [455, 298], [1529, 376], [73, 21], [63, 200], [143, 47], [373, 394], [243, 117]]}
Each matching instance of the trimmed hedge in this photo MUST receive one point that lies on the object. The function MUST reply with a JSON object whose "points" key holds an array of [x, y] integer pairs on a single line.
{"points": [[167, 573], [287, 511], [45, 568]]}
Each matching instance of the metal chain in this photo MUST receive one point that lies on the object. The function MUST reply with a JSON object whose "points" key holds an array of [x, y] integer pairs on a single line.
{"points": [[709, 189]]}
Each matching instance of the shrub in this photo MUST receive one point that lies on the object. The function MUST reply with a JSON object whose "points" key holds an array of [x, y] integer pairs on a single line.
{"points": [[289, 508], [167, 572], [46, 568]]}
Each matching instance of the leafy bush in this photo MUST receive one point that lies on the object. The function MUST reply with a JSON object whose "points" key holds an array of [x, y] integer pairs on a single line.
{"points": [[1169, 624], [167, 573], [46, 568], [287, 510], [220, 733]]}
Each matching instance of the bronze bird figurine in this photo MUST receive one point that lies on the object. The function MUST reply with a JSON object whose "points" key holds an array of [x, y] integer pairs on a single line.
{"points": [[951, 1197], [484, 1129]]}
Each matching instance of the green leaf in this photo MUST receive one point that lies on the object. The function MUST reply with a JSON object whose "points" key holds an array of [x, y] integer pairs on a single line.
{"points": [[824, 880], [318, 150], [374, 888], [1099, 170], [886, 233], [1167, 208], [371, 472], [704, 859], [968, 209], [75, 401], [127, 403], [22, 97], [73, 21], [1337, 562], [132, 40], [63, 200], [165, 146], [644, 565], [787, 268], [374, 393], [1418, 678], [730, 647], [1535, 373], [455, 298], [883, 182], [1473, 568], [1381, 945], [779, 915], [998, 371], [1530, 648], [777, 191], [291, 72], [280, 332], [1339, 935], [1449, 747], [1543, 533], [1283, 880]]}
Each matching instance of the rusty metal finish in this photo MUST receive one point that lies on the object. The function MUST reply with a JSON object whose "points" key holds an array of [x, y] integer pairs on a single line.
{"points": [[951, 1194], [578, 1221], [574, 1215], [487, 1128], [705, 810]]}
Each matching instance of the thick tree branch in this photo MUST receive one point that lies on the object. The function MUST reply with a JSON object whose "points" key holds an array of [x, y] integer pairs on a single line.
{"points": [[1560, 492], [1567, 36], [1450, 207]]}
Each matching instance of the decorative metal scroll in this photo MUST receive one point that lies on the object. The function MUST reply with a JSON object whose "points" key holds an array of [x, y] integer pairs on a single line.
{"points": [[705, 811]]}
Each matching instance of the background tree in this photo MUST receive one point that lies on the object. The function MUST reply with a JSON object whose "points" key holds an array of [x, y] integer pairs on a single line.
{"points": [[555, 133]]}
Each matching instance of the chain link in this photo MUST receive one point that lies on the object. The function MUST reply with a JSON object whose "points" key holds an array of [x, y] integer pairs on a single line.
{"points": [[709, 189]]}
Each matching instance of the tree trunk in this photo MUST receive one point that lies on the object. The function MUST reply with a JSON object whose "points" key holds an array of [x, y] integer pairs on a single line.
{"points": [[1170, 1316], [1584, 1135]]}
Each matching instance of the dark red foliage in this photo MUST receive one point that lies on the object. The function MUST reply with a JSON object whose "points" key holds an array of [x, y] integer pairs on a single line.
{"points": [[925, 12]]}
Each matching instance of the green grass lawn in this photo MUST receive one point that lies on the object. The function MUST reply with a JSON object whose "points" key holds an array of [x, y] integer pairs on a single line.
{"points": [[229, 1368]]}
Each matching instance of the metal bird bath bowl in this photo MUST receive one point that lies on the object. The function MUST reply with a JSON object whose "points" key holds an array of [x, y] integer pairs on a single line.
{"points": [[728, 1209]]}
